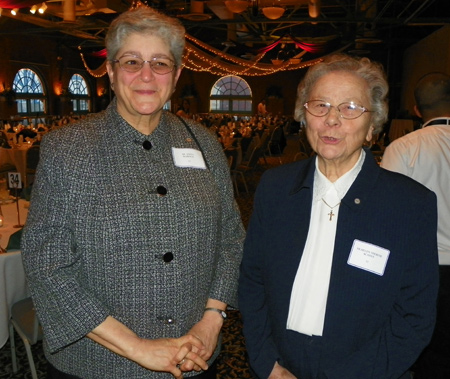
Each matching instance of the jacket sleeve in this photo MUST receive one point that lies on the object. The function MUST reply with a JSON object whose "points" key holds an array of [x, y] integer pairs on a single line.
{"points": [[230, 240], [409, 327], [252, 301], [225, 283], [67, 311]]}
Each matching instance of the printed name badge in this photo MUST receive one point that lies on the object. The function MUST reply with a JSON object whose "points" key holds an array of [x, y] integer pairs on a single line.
{"points": [[188, 158], [368, 257]]}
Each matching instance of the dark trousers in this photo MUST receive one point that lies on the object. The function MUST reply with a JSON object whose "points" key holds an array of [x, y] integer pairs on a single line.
{"points": [[434, 362], [54, 373]]}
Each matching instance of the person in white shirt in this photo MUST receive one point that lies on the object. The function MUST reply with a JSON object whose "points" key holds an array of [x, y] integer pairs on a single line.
{"points": [[424, 155]]}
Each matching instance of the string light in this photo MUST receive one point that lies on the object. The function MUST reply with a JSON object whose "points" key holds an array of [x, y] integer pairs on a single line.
{"points": [[33, 9], [14, 11], [98, 72], [201, 57], [216, 62]]}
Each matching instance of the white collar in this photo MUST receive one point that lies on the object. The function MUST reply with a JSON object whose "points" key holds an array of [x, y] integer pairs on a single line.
{"points": [[342, 185]]}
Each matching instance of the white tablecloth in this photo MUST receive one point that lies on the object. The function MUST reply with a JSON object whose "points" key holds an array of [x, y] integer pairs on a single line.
{"points": [[13, 285]]}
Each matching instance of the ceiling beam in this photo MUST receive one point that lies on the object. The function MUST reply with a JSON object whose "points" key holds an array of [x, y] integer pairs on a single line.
{"points": [[71, 28]]}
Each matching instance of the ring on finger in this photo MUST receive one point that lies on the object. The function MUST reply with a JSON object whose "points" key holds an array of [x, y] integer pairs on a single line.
{"points": [[181, 362]]}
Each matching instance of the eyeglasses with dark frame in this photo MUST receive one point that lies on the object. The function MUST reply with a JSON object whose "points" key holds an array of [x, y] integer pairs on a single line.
{"points": [[159, 65], [348, 110]]}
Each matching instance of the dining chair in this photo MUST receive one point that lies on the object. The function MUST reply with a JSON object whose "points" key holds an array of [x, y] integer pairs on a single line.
{"points": [[24, 320], [275, 143], [245, 167], [264, 144], [230, 161], [234, 170], [255, 141]]}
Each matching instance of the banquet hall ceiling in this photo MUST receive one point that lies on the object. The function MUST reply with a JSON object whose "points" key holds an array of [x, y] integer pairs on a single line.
{"points": [[363, 27]]}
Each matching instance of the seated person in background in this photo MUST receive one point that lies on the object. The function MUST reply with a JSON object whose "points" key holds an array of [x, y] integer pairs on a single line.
{"points": [[4, 140], [184, 110], [27, 133]]}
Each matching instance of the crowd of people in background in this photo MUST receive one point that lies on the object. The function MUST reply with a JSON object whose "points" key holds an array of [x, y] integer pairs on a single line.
{"points": [[230, 129]]}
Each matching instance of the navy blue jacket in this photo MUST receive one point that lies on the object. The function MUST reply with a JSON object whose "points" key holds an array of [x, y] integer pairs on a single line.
{"points": [[375, 326]]}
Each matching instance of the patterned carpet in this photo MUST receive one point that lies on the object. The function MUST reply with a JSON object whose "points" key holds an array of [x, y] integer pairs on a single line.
{"points": [[232, 362]]}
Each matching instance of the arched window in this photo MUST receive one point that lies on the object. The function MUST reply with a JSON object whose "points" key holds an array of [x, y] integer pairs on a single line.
{"points": [[231, 94], [79, 94], [30, 96]]}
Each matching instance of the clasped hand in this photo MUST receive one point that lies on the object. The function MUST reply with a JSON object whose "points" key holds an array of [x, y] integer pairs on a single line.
{"points": [[166, 355], [207, 331], [173, 355]]}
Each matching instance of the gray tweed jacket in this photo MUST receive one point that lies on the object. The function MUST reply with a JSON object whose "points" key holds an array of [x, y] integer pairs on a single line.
{"points": [[103, 239]]}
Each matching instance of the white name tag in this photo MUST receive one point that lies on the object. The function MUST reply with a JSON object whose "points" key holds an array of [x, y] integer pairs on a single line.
{"points": [[188, 158], [368, 257]]}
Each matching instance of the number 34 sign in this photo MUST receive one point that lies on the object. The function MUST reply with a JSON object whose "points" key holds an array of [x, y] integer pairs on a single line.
{"points": [[14, 180]]}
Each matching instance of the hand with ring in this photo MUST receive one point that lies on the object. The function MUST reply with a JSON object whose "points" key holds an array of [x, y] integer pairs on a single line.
{"points": [[188, 359], [179, 364]]}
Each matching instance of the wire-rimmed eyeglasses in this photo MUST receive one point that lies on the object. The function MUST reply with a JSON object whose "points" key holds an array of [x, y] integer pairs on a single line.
{"points": [[159, 65], [347, 110]]}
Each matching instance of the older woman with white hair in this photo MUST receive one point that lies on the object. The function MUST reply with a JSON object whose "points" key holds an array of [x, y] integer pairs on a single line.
{"points": [[339, 276], [133, 240]]}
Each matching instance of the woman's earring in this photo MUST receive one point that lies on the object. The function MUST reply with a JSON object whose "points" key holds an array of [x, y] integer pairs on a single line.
{"points": [[112, 86]]}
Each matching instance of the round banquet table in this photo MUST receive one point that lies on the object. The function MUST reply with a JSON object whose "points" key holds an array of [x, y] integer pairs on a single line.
{"points": [[13, 286]]}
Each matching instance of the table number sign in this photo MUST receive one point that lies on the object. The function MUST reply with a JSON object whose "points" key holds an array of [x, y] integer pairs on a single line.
{"points": [[14, 180]]}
